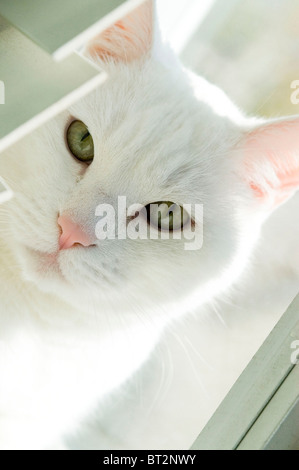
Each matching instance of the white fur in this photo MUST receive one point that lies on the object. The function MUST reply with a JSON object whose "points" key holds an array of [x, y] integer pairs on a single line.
{"points": [[73, 332]]}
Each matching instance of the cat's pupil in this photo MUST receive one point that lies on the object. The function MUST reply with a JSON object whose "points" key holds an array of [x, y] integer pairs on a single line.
{"points": [[85, 136]]}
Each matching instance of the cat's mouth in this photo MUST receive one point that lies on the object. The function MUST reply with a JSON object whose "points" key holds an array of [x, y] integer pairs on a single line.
{"points": [[46, 262], [51, 272]]}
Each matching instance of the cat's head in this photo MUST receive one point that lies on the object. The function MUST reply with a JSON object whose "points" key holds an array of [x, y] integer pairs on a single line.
{"points": [[152, 132]]}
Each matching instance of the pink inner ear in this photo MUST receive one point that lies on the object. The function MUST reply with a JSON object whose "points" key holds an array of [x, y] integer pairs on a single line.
{"points": [[272, 160], [128, 39]]}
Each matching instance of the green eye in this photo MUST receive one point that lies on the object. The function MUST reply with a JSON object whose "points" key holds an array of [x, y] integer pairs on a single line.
{"points": [[167, 216], [80, 142]]}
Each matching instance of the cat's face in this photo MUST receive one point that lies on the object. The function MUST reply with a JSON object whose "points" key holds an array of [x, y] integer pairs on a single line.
{"points": [[150, 144], [154, 140]]}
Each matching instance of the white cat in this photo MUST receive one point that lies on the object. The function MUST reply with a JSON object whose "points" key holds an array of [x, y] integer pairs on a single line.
{"points": [[79, 315]]}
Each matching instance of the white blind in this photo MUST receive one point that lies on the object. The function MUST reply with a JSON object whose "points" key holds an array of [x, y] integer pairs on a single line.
{"points": [[34, 86]]}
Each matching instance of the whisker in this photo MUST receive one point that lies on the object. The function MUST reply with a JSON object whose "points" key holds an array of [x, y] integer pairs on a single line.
{"points": [[191, 362]]}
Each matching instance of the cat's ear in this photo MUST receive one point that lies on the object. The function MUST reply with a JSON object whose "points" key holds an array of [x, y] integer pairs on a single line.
{"points": [[129, 39], [271, 162]]}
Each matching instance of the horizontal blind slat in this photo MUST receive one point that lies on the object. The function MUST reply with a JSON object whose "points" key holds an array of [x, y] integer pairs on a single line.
{"points": [[34, 86], [61, 26]]}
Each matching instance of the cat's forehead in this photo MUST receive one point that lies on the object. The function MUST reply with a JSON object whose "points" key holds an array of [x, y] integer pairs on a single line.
{"points": [[147, 105], [151, 134], [132, 96]]}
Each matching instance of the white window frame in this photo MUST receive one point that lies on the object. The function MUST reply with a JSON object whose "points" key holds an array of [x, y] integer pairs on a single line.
{"points": [[258, 413]]}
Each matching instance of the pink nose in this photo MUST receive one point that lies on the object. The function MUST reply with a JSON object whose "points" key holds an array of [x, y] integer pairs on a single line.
{"points": [[72, 234]]}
